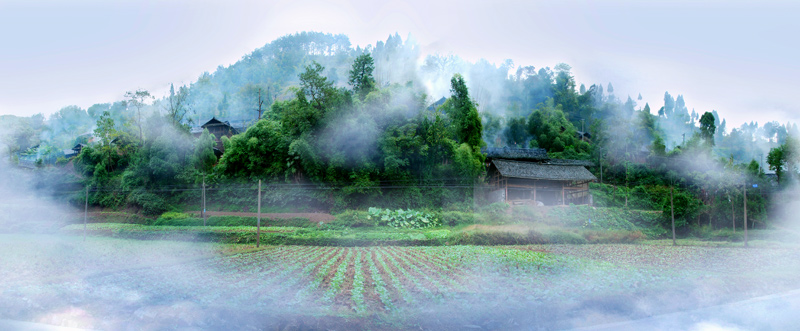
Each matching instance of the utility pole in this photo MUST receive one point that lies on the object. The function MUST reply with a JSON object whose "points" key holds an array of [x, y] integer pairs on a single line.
{"points": [[204, 201], [258, 222], [672, 212], [85, 212], [744, 189], [733, 214]]}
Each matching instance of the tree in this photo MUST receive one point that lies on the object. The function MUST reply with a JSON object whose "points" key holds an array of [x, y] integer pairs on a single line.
{"points": [[315, 86], [464, 114], [259, 95], [782, 159], [177, 106], [204, 158], [516, 132], [707, 128], [552, 131], [669, 106], [260, 151], [137, 100], [361, 75]]}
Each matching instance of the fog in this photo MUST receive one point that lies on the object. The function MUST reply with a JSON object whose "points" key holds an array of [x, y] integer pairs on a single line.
{"points": [[53, 276]]}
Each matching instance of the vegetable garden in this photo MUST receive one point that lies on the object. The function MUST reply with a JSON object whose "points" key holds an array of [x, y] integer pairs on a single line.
{"points": [[371, 287]]}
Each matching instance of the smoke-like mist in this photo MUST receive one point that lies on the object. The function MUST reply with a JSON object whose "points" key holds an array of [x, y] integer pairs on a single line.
{"points": [[51, 276]]}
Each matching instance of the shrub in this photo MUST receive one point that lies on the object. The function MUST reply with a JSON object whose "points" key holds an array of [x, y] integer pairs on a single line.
{"points": [[564, 237], [607, 237], [172, 215], [353, 219], [594, 218], [400, 218], [233, 221], [527, 213], [495, 238], [495, 209], [150, 203], [455, 218]]}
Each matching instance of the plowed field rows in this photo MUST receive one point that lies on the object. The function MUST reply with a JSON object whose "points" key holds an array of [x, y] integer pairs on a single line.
{"points": [[454, 287], [355, 280]]}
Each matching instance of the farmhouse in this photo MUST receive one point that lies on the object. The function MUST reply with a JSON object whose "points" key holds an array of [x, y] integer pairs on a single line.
{"points": [[218, 129], [526, 176], [70, 153]]}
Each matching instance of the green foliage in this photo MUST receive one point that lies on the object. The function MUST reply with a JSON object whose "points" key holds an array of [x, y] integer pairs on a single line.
{"points": [[204, 158], [150, 203], [173, 215], [400, 218], [784, 158], [456, 218], [596, 218], [564, 237], [260, 151], [686, 208], [552, 131], [464, 114], [707, 128], [178, 219], [354, 219], [361, 75]]}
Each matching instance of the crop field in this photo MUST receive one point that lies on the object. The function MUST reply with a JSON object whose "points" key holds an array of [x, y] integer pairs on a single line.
{"points": [[111, 284]]}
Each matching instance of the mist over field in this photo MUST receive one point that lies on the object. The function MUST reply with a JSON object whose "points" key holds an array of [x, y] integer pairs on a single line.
{"points": [[321, 182]]}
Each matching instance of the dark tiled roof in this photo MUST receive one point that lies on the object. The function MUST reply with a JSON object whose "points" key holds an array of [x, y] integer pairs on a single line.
{"points": [[532, 170], [526, 154], [584, 163]]}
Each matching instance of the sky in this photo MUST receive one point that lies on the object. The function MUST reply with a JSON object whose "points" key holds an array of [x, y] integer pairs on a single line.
{"points": [[739, 58]]}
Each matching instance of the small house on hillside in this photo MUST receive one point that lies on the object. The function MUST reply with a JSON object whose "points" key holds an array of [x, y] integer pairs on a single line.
{"points": [[526, 176], [218, 129], [70, 153]]}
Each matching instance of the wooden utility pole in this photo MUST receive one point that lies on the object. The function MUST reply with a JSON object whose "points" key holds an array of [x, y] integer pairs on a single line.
{"points": [[626, 184], [733, 215], [744, 189], [204, 201], [601, 170], [672, 211], [258, 222], [85, 212]]}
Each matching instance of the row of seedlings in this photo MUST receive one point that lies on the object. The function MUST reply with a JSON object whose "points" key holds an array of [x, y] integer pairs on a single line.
{"points": [[318, 273], [395, 279]]}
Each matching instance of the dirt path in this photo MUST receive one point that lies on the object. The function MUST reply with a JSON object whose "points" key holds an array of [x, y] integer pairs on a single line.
{"points": [[313, 217]]}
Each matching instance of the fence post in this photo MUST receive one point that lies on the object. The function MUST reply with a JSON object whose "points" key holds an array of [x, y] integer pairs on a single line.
{"points": [[258, 222], [744, 190], [672, 213], [85, 212], [204, 201]]}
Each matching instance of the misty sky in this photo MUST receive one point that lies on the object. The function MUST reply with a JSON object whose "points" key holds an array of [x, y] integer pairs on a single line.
{"points": [[739, 58]]}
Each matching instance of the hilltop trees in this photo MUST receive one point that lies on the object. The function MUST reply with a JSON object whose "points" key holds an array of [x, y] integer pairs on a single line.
{"points": [[464, 114], [361, 75], [707, 128], [137, 101], [362, 123], [784, 159]]}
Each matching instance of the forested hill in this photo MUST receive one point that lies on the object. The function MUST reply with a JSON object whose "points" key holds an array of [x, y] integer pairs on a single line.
{"points": [[505, 95], [353, 118]]}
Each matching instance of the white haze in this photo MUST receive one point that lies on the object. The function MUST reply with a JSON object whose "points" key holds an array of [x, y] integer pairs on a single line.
{"points": [[731, 57]]}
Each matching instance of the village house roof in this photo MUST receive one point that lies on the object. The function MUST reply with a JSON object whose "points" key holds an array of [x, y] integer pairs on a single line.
{"points": [[569, 162], [543, 171], [213, 122], [522, 154]]}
